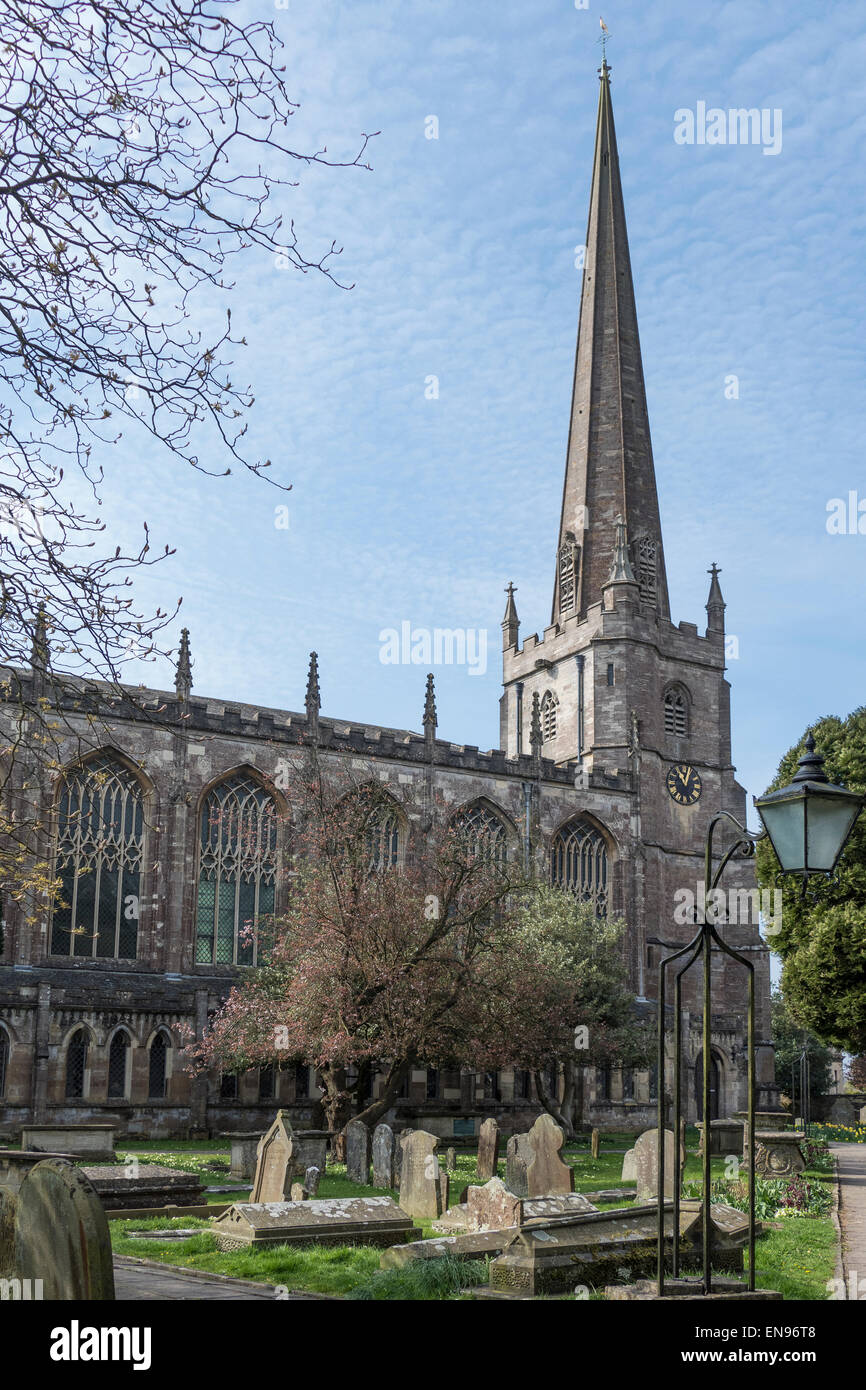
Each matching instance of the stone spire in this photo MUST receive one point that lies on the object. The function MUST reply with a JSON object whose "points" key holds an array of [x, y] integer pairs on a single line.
{"points": [[609, 468], [430, 712], [40, 652], [715, 603], [313, 700], [511, 622], [621, 570], [183, 670], [536, 737]]}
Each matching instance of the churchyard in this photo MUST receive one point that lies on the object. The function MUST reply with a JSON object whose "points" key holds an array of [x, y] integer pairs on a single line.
{"points": [[470, 1221]]}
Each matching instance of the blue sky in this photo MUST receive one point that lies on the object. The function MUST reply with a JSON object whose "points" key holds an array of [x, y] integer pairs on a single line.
{"points": [[461, 250]]}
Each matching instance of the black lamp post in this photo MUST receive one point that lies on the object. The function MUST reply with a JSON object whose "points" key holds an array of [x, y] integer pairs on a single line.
{"points": [[808, 824]]}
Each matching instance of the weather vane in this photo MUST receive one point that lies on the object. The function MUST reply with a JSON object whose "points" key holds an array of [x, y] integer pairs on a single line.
{"points": [[605, 35]]}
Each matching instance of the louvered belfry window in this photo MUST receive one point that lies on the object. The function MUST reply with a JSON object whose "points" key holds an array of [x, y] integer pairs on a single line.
{"points": [[647, 576], [237, 870], [676, 713], [578, 863], [549, 712], [100, 838]]}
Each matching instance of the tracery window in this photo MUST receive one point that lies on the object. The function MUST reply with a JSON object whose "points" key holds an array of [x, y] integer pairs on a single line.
{"points": [[76, 1064], [237, 869], [100, 837], [549, 712], [371, 829], [578, 863], [157, 1067], [568, 554], [4, 1059], [676, 713], [117, 1055], [483, 833]]}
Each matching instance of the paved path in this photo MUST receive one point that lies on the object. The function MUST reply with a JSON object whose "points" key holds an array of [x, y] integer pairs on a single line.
{"points": [[851, 1159], [136, 1280]]}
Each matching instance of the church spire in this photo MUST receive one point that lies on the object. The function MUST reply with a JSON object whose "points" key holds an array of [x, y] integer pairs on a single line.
{"points": [[609, 465], [313, 700]]}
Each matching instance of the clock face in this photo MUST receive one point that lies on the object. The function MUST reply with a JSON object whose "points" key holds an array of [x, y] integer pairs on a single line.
{"points": [[684, 784]]}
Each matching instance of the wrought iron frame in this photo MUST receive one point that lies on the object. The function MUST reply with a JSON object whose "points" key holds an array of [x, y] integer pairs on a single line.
{"points": [[701, 946]]}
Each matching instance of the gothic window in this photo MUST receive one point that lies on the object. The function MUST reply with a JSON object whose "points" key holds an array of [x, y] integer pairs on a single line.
{"points": [[76, 1064], [432, 1083], [647, 577], [627, 1083], [549, 712], [117, 1055], [229, 1086], [4, 1059], [371, 828], [302, 1081], [568, 559], [602, 1083], [676, 713], [491, 1086], [237, 870], [100, 836], [522, 1088], [157, 1071], [578, 863], [483, 833], [267, 1083]]}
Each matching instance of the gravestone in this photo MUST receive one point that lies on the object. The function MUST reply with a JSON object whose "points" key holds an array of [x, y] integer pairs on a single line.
{"points": [[629, 1172], [545, 1172], [595, 1143], [518, 1152], [398, 1153], [451, 1160], [54, 1234], [491, 1207], [327, 1221], [298, 1193], [646, 1165], [444, 1189], [274, 1161], [311, 1181], [383, 1156], [488, 1151], [358, 1152], [420, 1187]]}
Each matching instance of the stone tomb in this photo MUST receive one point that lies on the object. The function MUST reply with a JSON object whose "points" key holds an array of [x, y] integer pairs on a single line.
{"points": [[778, 1153], [726, 1136], [54, 1233], [383, 1156], [326, 1221], [422, 1188], [493, 1208], [244, 1144], [95, 1142], [488, 1151], [136, 1186], [358, 1153]]}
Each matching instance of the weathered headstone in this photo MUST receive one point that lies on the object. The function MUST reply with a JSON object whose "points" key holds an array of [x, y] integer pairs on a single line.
{"points": [[54, 1235], [444, 1189], [274, 1161], [298, 1193], [492, 1207], [358, 1152], [311, 1181], [383, 1156], [629, 1172], [646, 1165], [545, 1172], [420, 1188], [451, 1160], [488, 1151], [327, 1221], [518, 1152], [595, 1143]]}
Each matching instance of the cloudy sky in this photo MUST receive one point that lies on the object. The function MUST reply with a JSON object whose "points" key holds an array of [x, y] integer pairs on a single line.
{"points": [[461, 250]]}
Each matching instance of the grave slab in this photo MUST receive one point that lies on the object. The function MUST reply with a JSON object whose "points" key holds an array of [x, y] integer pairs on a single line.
{"points": [[325, 1221]]}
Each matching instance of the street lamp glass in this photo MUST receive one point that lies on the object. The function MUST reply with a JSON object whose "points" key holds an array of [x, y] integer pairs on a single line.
{"points": [[809, 821]]}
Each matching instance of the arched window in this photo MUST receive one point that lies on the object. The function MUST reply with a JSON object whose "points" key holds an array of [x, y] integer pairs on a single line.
{"points": [[676, 712], [229, 1086], [578, 863], [267, 1083], [157, 1069], [100, 835], [371, 828], [118, 1053], [237, 870], [4, 1059], [76, 1064], [302, 1081], [483, 833], [549, 712]]}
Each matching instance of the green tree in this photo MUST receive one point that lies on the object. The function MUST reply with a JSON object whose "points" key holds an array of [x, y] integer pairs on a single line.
{"points": [[790, 1039], [822, 940]]}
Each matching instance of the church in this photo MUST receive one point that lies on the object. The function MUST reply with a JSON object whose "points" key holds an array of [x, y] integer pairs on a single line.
{"points": [[615, 751]]}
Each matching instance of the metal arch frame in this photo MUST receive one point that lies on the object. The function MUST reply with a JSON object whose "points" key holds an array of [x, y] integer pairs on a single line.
{"points": [[700, 948]]}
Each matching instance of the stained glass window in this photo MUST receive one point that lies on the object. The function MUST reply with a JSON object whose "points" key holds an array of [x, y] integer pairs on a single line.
{"points": [[157, 1071], [578, 863], [483, 832], [100, 836], [117, 1054], [237, 870]]}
